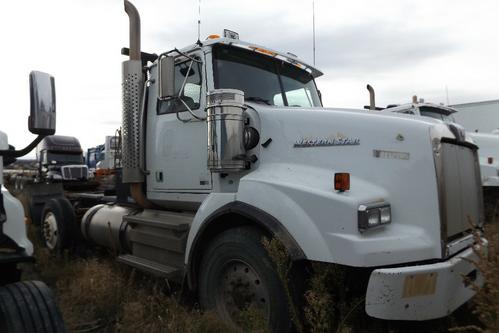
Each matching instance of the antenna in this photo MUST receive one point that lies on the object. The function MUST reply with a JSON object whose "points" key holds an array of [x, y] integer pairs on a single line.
{"points": [[313, 29], [199, 20], [447, 94]]}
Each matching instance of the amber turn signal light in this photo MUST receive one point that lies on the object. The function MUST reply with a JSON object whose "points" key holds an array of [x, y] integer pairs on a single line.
{"points": [[342, 181]]}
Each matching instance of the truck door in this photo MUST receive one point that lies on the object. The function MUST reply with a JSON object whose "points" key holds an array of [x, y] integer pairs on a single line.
{"points": [[177, 150]]}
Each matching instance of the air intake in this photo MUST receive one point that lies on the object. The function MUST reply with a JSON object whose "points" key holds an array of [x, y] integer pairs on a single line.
{"points": [[225, 120]]}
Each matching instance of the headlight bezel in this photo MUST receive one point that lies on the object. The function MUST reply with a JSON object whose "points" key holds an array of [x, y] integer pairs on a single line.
{"points": [[373, 216]]}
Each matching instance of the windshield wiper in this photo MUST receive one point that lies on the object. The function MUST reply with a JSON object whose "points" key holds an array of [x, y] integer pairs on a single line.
{"points": [[258, 100]]}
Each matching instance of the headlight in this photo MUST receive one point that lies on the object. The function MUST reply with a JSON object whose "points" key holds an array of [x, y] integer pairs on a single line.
{"points": [[374, 215]]}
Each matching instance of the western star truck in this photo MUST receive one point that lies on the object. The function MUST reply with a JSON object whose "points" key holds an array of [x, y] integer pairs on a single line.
{"points": [[25, 306], [225, 143]]}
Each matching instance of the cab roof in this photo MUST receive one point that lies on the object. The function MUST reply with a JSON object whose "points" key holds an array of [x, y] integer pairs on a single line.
{"points": [[439, 108], [288, 57]]}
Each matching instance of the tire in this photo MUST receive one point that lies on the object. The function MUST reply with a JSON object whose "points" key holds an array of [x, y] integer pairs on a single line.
{"points": [[35, 213], [58, 225], [29, 306], [235, 272]]}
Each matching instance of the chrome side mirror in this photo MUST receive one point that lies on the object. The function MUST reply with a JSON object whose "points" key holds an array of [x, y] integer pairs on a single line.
{"points": [[166, 77], [42, 95]]}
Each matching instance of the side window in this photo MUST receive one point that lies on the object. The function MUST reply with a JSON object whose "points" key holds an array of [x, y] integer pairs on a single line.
{"points": [[192, 90], [299, 97], [278, 100], [405, 112]]}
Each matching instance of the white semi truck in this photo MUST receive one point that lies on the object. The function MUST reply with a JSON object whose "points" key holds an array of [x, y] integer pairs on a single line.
{"points": [[25, 306], [488, 143], [226, 143]]}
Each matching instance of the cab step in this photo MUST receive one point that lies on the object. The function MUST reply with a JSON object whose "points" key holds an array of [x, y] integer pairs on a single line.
{"points": [[162, 219], [150, 267], [159, 236]]}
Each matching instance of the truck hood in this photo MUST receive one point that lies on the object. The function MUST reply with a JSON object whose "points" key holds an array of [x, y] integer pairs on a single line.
{"points": [[364, 143], [389, 158]]}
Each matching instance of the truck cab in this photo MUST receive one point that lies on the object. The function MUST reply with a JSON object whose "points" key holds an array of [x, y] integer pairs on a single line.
{"points": [[220, 63], [60, 158], [25, 306]]}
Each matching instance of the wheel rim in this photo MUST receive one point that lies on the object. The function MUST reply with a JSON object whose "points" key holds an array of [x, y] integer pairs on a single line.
{"points": [[50, 232], [240, 288]]}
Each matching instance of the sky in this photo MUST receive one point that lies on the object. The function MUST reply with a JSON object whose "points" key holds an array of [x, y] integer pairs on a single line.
{"points": [[441, 50]]}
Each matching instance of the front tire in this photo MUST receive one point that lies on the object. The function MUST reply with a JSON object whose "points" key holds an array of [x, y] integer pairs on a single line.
{"points": [[27, 307], [236, 273]]}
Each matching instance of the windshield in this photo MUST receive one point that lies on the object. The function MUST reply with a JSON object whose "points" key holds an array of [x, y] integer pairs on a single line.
{"points": [[437, 114], [263, 79], [64, 158]]}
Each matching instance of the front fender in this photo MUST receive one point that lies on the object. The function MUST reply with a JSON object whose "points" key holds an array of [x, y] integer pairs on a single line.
{"points": [[324, 222], [15, 226]]}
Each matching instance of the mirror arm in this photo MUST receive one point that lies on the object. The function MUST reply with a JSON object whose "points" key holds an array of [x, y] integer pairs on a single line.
{"points": [[181, 53], [190, 111], [180, 98], [24, 151]]}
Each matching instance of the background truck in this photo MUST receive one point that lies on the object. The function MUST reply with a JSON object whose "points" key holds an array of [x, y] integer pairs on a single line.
{"points": [[60, 158], [26, 306], [226, 143], [488, 143], [105, 156]]}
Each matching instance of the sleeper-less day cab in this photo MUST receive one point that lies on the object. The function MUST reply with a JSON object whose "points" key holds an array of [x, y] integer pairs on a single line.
{"points": [[226, 142]]}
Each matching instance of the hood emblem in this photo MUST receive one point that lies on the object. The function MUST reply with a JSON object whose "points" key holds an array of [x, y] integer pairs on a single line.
{"points": [[336, 140]]}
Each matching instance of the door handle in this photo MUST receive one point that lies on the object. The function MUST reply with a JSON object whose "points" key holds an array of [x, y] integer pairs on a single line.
{"points": [[159, 176]]}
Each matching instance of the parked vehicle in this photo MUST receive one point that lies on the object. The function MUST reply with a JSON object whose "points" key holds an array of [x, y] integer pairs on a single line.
{"points": [[25, 306], [105, 156], [226, 143], [488, 143], [60, 158]]}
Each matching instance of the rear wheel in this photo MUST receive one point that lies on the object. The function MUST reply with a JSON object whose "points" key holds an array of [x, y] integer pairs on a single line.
{"points": [[237, 274], [29, 307], [35, 213], [58, 224]]}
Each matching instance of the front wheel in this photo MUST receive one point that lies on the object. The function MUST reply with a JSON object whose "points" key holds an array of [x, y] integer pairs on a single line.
{"points": [[237, 274], [27, 307]]}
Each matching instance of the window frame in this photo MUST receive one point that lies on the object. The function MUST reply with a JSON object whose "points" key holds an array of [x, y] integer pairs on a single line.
{"points": [[184, 109], [276, 64]]}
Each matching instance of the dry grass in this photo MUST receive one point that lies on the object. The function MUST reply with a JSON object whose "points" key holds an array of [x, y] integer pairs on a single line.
{"points": [[96, 294], [485, 305]]}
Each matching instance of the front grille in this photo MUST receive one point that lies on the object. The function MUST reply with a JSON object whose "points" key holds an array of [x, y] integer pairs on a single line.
{"points": [[74, 172], [460, 189]]}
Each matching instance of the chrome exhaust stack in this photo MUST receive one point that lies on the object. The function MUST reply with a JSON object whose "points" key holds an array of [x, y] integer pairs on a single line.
{"points": [[133, 79], [372, 98], [132, 89]]}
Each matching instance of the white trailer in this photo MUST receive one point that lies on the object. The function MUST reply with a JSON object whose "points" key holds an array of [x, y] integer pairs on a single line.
{"points": [[482, 117], [226, 142]]}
